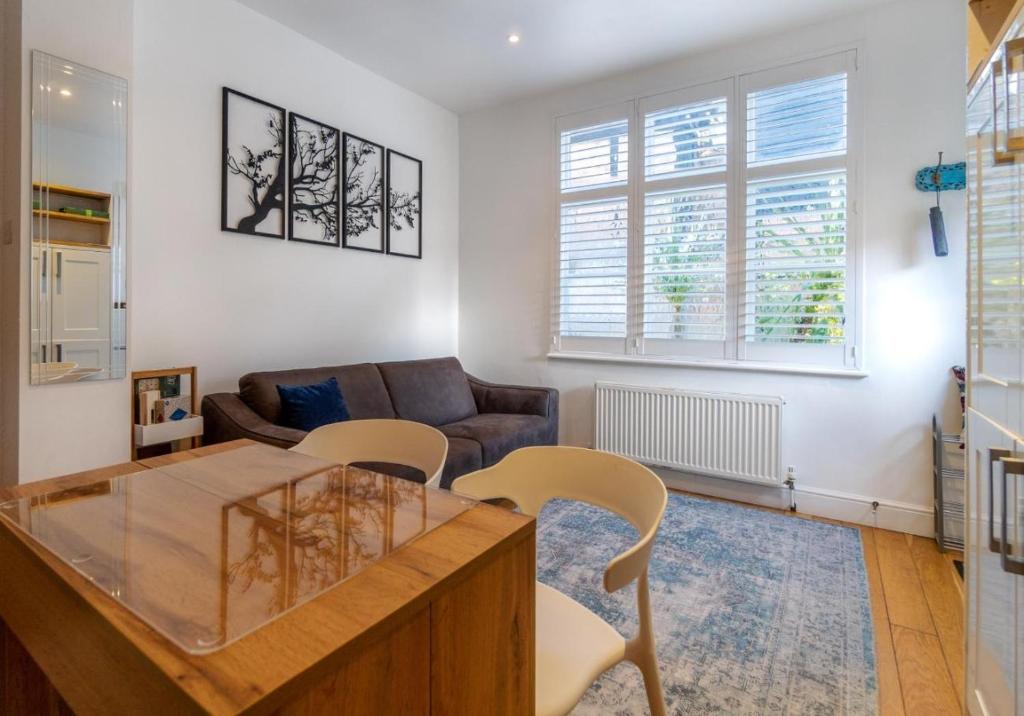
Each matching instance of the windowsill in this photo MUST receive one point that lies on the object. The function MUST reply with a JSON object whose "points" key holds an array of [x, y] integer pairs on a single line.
{"points": [[750, 366]]}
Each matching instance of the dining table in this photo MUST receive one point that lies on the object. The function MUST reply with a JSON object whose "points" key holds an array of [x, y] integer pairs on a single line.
{"points": [[244, 578]]}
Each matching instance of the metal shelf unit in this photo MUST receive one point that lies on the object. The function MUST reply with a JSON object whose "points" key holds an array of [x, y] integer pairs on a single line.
{"points": [[949, 487]]}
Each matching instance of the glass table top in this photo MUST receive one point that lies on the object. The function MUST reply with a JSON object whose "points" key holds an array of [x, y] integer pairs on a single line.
{"points": [[206, 551]]}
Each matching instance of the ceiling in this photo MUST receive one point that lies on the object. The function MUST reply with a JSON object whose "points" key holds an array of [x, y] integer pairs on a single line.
{"points": [[455, 52]]}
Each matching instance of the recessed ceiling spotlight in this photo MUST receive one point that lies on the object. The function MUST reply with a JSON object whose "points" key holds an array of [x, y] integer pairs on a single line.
{"points": [[65, 92], [513, 38]]}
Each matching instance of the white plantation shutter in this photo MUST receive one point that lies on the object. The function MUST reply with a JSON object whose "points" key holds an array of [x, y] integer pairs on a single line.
{"points": [[592, 269], [714, 223], [680, 141], [800, 120], [684, 264], [593, 231], [595, 157], [796, 284], [796, 259], [683, 296]]}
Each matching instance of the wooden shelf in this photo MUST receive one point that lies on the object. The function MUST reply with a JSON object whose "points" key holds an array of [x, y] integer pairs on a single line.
{"points": [[65, 216], [70, 191], [139, 437], [73, 244]]}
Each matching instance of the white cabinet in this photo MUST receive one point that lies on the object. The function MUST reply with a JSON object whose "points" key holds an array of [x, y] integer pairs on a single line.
{"points": [[38, 309], [74, 310], [993, 624], [995, 416]]}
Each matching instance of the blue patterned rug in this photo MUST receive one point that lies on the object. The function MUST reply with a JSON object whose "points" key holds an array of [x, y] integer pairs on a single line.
{"points": [[755, 612]]}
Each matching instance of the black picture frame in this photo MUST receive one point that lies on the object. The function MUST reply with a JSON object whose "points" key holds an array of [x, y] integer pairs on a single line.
{"points": [[325, 213], [398, 200], [350, 214], [253, 173]]}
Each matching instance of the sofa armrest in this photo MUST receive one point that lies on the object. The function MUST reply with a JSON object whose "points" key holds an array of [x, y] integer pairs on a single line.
{"points": [[227, 417], [518, 399]]}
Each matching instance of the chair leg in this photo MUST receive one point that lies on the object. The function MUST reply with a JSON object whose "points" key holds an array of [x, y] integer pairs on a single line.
{"points": [[641, 651], [648, 665]]}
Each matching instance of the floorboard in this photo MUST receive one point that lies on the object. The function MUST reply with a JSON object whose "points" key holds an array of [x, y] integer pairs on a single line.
{"points": [[904, 597], [890, 694], [927, 689], [945, 602]]}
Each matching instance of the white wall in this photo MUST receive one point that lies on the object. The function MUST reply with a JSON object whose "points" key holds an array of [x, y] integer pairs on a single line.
{"points": [[227, 303], [230, 303], [70, 427], [851, 441]]}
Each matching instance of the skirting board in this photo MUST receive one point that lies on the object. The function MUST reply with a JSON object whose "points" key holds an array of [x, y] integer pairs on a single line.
{"points": [[897, 516]]}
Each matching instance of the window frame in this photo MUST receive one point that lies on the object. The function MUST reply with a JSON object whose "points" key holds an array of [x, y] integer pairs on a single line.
{"points": [[734, 352]]}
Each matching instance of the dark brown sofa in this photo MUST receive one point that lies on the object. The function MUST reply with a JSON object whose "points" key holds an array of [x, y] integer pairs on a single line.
{"points": [[483, 421]]}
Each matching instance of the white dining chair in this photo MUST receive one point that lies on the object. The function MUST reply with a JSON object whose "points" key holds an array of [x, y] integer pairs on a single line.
{"points": [[399, 442], [574, 645]]}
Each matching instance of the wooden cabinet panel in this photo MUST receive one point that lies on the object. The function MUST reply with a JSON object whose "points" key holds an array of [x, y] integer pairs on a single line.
{"points": [[482, 639], [444, 625], [24, 688], [391, 676]]}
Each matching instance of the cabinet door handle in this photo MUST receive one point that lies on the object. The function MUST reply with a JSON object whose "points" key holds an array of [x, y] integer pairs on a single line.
{"points": [[60, 352], [1013, 51], [60, 266], [997, 72], [1011, 564], [995, 455], [1000, 155], [42, 271], [44, 353]]}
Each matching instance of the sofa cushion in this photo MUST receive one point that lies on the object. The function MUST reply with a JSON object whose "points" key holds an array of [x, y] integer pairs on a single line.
{"points": [[307, 407], [434, 391], [464, 457], [361, 384], [500, 433]]}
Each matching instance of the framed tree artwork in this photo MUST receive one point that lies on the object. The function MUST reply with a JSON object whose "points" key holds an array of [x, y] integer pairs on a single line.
{"points": [[253, 171], [362, 209], [405, 205], [314, 182]]}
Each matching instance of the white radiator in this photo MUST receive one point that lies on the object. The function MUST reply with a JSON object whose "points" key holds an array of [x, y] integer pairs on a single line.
{"points": [[720, 434]]}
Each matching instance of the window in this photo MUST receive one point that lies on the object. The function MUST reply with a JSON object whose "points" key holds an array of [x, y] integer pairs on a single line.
{"points": [[729, 237], [593, 256]]}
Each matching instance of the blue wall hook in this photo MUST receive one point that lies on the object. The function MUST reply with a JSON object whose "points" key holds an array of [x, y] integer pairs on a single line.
{"points": [[941, 177], [950, 177]]}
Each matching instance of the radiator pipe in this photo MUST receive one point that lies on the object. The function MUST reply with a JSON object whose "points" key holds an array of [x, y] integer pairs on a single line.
{"points": [[791, 484]]}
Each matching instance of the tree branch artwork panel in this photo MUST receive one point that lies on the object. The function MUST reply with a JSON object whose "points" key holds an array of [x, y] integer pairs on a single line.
{"points": [[363, 196], [405, 205], [313, 183], [253, 169]]}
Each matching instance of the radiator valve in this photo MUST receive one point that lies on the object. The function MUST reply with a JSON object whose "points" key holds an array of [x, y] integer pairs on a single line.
{"points": [[790, 482]]}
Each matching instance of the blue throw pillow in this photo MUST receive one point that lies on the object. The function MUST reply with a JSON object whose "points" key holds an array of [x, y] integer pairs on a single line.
{"points": [[306, 407]]}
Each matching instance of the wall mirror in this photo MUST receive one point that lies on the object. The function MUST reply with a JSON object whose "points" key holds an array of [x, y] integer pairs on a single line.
{"points": [[79, 209]]}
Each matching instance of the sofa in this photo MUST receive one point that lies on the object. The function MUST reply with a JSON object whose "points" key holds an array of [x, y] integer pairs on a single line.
{"points": [[483, 421]]}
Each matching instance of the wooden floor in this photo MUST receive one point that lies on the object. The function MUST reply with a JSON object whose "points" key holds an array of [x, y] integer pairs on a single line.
{"points": [[918, 609]]}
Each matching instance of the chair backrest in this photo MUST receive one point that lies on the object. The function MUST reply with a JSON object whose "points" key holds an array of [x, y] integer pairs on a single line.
{"points": [[400, 442], [532, 476]]}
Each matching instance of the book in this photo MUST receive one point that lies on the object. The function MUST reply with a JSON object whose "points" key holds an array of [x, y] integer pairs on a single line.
{"points": [[147, 406], [166, 408], [98, 213], [170, 386]]}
